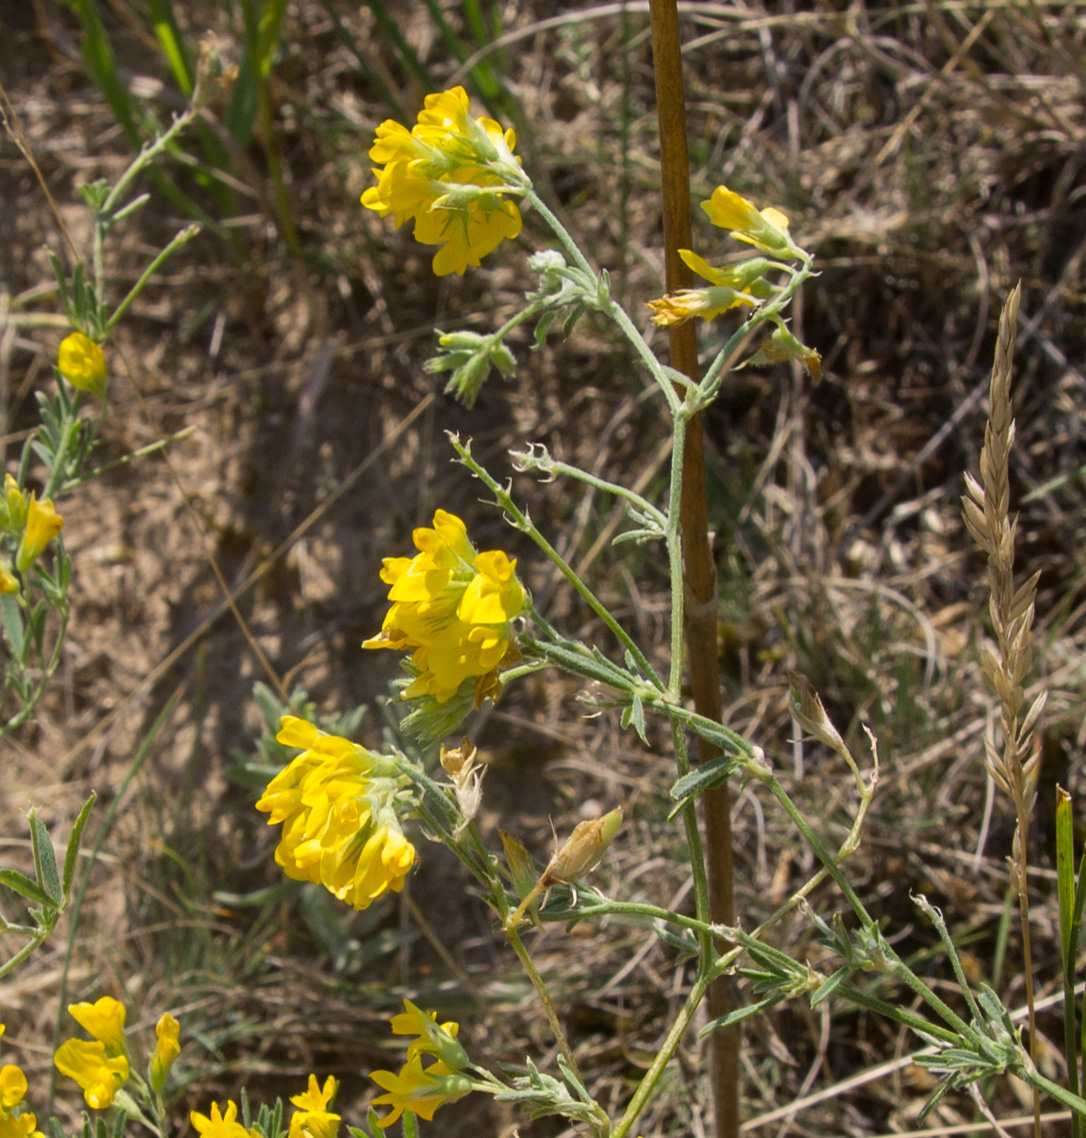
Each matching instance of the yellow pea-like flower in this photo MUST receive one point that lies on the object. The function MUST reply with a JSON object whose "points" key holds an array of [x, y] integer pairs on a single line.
{"points": [[98, 1074], [43, 524], [82, 363], [104, 1019]]}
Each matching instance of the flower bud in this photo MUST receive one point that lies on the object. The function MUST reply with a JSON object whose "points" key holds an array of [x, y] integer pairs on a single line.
{"points": [[83, 364], [583, 851]]}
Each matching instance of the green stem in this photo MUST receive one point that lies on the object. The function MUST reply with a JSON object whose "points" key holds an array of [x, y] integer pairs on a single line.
{"points": [[528, 462], [675, 557], [182, 239], [710, 384], [545, 1000], [560, 232], [149, 151], [527, 526], [668, 1048]]}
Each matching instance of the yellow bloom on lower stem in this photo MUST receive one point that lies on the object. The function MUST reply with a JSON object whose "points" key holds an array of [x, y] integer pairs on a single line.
{"points": [[82, 363], [336, 802], [417, 1090], [99, 1074], [219, 1125], [43, 524], [12, 1093], [167, 1048], [313, 1119]]}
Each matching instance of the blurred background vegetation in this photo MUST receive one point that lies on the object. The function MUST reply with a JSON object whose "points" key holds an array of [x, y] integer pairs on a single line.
{"points": [[928, 154]]}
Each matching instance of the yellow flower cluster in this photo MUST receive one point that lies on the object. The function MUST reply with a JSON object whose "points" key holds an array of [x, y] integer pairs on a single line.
{"points": [[101, 1067], [336, 804], [451, 608], [744, 283], [448, 174], [12, 1093], [417, 1089]]}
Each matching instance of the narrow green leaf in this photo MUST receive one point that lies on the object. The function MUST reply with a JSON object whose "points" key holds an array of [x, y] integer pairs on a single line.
{"points": [[45, 861], [737, 1016], [72, 853], [21, 884], [714, 773], [11, 616]]}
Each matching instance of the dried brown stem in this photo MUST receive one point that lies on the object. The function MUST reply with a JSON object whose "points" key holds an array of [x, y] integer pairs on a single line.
{"points": [[699, 569]]}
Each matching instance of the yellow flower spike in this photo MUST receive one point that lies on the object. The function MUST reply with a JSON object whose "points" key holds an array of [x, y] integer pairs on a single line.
{"points": [[98, 1074], [83, 364], [43, 524], [167, 1049], [104, 1019], [765, 229], [219, 1125], [313, 1119]]}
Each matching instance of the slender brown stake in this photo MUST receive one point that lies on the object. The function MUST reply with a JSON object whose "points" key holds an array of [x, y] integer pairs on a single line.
{"points": [[698, 568]]}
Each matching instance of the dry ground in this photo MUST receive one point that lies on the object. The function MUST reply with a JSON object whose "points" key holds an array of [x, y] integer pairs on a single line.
{"points": [[929, 155]]}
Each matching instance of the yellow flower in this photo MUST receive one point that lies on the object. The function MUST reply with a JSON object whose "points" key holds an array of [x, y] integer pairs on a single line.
{"points": [[440, 173], [336, 804], [451, 607], [313, 1119], [12, 1092], [433, 1038], [417, 1090], [82, 363], [167, 1049], [104, 1020], [741, 284], [43, 524], [221, 1125], [766, 229], [9, 583], [99, 1074]]}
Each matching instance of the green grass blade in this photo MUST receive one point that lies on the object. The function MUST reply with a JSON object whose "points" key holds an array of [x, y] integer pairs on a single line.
{"points": [[406, 52], [169, 36], [1065, 892], [100, 59]]}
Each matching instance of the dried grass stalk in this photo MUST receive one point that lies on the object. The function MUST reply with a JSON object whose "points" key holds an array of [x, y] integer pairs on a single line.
{"points": [[986, 510]]}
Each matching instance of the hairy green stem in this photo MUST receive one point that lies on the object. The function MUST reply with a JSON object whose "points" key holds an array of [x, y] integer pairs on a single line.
{"points": [[524, 523]]}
